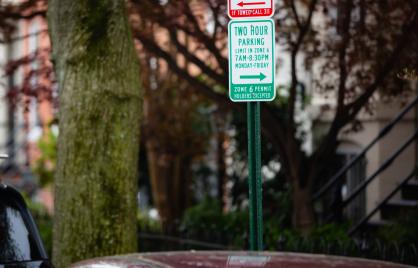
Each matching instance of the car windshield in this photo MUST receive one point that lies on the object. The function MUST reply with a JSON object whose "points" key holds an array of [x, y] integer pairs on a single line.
{"points": [[14, 236], [17, 243]]}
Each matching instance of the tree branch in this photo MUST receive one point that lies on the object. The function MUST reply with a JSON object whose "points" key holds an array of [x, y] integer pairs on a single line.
{"points": [[270, 124], [292, 145], [151, 46], [210, 43], [354, 107], [295, 14], [342, 61], [351, 110], [221, 79], [295, 50]]}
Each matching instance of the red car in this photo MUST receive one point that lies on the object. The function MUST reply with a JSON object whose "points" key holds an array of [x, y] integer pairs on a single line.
{"points": [[232, 259]]}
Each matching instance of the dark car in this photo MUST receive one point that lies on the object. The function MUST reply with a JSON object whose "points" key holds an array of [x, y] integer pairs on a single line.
{"points": [[20, 243]]}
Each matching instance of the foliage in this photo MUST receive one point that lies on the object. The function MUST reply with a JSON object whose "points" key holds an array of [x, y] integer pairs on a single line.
{"points": [[43, 221], [44, 166], [203, 229], [332, 232], [360, 46], [350, 49], [206, 222], [147, 224], [404, 230], [287, 238], [9, 12], [176, 132]]}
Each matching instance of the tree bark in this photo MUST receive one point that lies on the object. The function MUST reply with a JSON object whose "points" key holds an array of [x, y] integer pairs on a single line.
{"points": [[221, 167], [170, 182], [303, 216], [169, 161], [100, 107]]}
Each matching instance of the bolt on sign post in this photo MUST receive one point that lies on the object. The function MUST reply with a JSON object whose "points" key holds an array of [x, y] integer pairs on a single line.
{"points": [[251, 46]]}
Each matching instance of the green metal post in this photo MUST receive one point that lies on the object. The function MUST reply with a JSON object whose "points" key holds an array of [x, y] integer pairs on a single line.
{"points": [[254, 178]]}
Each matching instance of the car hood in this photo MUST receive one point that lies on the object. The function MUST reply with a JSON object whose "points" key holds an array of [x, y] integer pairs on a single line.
{"points": [[218, 259]]}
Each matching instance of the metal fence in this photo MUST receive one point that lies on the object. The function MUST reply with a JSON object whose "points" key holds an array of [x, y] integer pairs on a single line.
{"points": [[365, 248]]}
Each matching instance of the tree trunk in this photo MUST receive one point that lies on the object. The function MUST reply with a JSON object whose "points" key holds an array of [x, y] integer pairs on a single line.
{"points": [[171, 143], [221, 168], [100, 107], [170, 182], [303, 217]]}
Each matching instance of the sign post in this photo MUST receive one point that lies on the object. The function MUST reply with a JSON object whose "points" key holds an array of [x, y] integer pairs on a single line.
{"points": [[254, 179], [251, 79]]}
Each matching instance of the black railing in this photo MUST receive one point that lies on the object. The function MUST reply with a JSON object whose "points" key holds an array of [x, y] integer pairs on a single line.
{"points": [[182, 243], [383, 167], [363, 221], [337, 177], [375, 249], [338, 207]]}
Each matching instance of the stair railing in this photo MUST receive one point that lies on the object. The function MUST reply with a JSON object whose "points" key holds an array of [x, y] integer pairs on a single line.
{"points": [[384, 166], [361, 187], [365, 219], [324, 189]]}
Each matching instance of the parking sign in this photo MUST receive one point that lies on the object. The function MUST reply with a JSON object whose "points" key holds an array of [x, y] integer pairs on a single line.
{"points": [[251, 60]]}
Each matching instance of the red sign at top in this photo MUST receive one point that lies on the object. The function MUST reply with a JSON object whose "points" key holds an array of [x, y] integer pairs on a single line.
{"points": [[250, 8]]}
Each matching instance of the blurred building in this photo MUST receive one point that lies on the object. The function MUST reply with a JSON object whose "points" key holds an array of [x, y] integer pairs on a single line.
{"points": [[24, 122], [25, 115], [372, 123], [384, 110]]}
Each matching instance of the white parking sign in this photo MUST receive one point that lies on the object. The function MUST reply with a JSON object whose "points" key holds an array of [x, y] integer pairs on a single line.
{"points": [[251, 60]]}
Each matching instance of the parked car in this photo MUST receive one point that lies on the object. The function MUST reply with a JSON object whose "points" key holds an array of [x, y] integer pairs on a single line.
{"points": [[20, 243], [231, 259]]}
